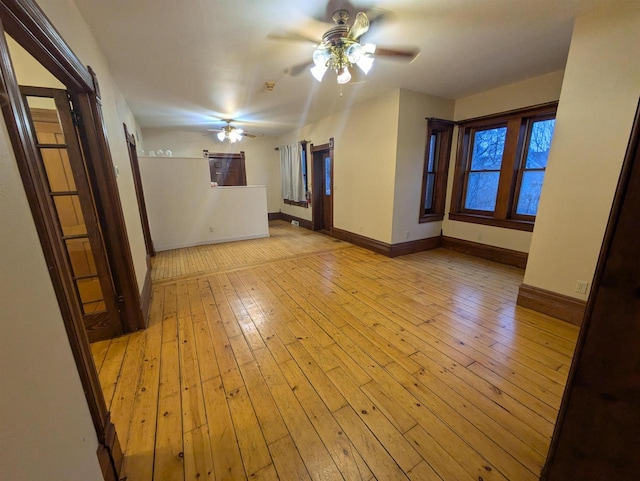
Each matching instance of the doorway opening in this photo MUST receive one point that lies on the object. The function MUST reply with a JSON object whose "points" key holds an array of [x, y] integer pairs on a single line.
{"points": [[322, 200]]}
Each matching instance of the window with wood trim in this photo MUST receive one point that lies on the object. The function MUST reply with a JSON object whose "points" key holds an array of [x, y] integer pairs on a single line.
{"points": [[500, 167], [436, 166]]}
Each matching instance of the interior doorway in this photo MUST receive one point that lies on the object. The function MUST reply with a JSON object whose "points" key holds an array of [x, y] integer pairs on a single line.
{"points": [[71, 210], [137, 182], [71, 188], [323, 187]]}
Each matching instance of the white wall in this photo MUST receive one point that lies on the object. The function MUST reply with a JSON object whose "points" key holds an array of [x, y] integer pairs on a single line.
{"points": [[534, 91], [365, 137], [412, 132], [597, 105], [183, 208], [261, 160], [46, 430], [69, 22]]}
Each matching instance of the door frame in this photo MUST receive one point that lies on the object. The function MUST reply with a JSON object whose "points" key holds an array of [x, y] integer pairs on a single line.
{"points": [[137, 183], [603, 381], [29, 26], [318, 185], [107, 324]]}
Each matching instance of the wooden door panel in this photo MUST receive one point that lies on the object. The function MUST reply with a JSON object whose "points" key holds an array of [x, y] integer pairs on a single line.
{"points": [[73, 210]]}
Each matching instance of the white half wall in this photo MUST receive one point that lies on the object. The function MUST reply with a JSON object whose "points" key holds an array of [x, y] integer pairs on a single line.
{"points": [[533, 91], [597, 106], [46, 430], [184, 210], [261, 161]]}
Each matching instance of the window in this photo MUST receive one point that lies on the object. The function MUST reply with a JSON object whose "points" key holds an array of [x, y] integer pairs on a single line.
{"points": [[436, 165], [500, 167], [293, 170]]}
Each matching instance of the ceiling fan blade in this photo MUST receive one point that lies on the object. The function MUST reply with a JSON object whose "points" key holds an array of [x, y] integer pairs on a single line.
{"points": [[296, 70], [359, 27], [214, 130], [251, 136], [407, 54], [293, 37]]}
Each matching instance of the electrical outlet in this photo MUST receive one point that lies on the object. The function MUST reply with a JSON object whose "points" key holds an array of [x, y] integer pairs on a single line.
{"points": [[210, 229], [406, 235], [581, 287]]}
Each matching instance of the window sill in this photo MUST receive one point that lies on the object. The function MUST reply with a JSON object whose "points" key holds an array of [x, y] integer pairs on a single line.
{"points": [[430, 218], [504, 223], [299, 204]]}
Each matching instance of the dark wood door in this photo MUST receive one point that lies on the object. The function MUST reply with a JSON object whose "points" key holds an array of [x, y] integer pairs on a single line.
{"points": [[227, 169], [323, 187], [137, 182], [597, 436], [72, 211]]}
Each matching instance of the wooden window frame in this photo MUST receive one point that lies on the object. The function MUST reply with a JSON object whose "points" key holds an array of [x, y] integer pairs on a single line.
{"points": [[518, 123], [443, 129]]}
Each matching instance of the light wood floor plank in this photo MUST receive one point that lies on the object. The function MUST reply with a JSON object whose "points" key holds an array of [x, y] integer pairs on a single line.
{"points": [[299, 357]]}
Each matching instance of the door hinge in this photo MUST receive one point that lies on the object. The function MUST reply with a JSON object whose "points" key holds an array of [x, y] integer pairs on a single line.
{"points": [[77, 118], [120, 301]]}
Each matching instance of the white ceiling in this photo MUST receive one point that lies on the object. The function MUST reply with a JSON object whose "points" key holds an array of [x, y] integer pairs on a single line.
{"points": [[181, 64]]}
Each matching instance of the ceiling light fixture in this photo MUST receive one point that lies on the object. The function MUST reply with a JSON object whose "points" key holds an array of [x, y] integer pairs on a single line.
{"points": [[232, 134], [340, 50]]}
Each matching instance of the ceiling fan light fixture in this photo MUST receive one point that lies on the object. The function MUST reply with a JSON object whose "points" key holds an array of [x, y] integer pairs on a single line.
{"points": [[354, 53], [343, 75], [365, 63], [321, 56], [221, 136], [318, 72], [369, 48]]}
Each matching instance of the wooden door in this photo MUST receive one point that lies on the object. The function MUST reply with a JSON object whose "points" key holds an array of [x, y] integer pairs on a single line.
{"points": [[227, 169], [71, 209], [137, 182], [597, 436], [323, 187]]}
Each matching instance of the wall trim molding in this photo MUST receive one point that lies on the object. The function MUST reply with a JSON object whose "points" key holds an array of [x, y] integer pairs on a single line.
{"points": [[362, 241], [485, 251], [563, 307], [288, 218], [389, 250], [411, 247], [145, 295]]}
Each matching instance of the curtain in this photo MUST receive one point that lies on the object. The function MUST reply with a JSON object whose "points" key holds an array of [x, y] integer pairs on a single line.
{"points": [[291, 172]]}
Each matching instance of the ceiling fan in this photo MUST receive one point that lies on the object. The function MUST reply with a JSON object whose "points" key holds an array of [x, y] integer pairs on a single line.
{"points": [[231, 133], [340, 48]]}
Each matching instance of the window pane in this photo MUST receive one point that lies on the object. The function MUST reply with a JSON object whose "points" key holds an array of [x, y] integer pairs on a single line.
{"points": [[530, 192], [540, 143], [428, 196], [58, 168], [327, 175], [432, 152], [90, 295], [81, 257], [482, 190], [70, 215], [488, 146], [44, 114]]}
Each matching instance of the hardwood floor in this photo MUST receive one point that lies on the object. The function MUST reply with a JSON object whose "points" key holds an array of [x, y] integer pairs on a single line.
{"points": [[338, 364]]}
